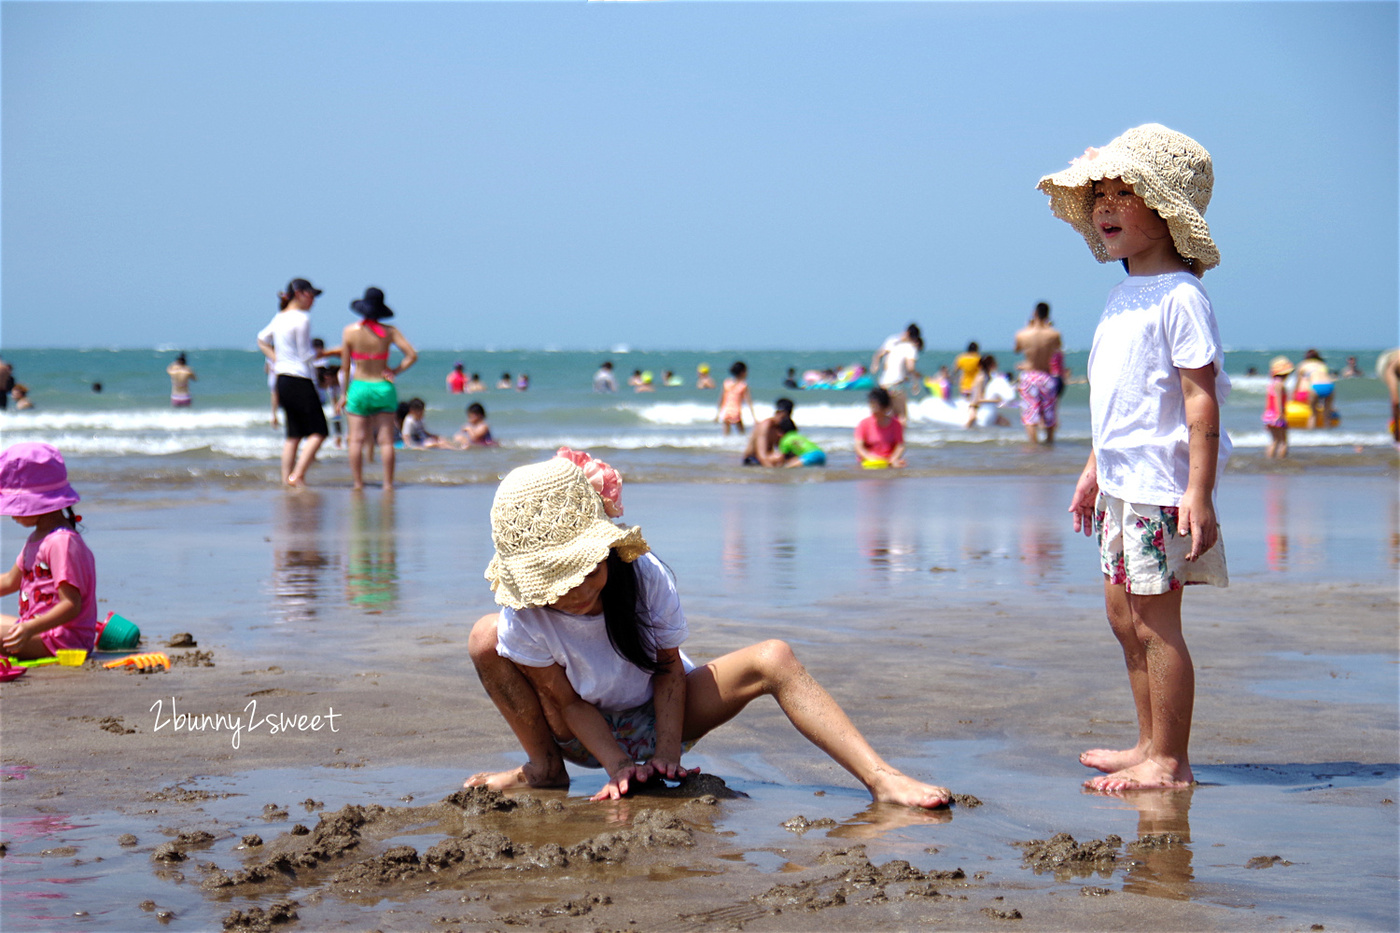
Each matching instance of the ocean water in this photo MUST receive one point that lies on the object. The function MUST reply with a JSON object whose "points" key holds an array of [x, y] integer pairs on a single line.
{"points": [[128, 430]]}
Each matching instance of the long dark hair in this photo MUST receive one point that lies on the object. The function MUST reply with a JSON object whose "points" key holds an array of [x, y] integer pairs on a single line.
{"points": [[627, 621]]}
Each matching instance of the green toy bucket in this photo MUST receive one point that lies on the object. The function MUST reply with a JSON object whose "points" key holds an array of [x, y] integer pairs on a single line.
{"points": [[117, 634]]}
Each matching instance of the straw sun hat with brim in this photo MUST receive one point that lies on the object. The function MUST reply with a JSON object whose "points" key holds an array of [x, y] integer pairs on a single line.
{"points": [[1170, 171], [550, 531], [1280, 366]]}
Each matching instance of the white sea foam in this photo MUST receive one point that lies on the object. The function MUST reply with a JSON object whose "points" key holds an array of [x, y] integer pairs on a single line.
{"points": [[148, 419]]}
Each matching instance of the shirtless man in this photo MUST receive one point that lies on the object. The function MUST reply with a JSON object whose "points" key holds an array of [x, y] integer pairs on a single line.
{"points": [[180, 378], [762, 449], [1388, 368], [1038, 341]]}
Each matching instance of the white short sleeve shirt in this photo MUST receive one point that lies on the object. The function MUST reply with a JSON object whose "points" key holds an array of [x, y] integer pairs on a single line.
{"points": [[540, 636], [1152, 327], [289, 332]]}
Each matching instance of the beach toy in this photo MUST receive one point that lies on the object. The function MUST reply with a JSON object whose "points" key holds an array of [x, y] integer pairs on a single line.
{"points": [[36, 662], [9, 672], [875, 463], [1299, 413], [71, 657], [117, 633], [142, 662]]}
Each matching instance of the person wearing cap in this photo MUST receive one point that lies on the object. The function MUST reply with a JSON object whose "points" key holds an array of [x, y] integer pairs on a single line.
{"points": [[703, 379], [55, 573], [1157, 379], [584, 659], [286, 342], [1276, 407], [762, 447], [369, 396]]}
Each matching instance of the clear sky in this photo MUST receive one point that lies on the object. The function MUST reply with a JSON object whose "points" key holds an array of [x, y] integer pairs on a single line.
{"points": [[673, 175]]}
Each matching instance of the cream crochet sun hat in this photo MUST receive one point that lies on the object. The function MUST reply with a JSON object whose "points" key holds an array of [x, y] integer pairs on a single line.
{"points": [[1170, 171], [550, 531]]}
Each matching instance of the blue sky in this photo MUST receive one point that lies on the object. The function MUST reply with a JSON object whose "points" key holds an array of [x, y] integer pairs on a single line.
{"points": [[674, 175]]}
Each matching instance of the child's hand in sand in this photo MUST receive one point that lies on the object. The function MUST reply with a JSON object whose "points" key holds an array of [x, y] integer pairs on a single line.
{"points": [[621, 781], [671, 768]]}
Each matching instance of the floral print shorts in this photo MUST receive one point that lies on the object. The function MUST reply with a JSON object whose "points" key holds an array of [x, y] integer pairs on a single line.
{"points": [[1140, 549], [635, 731]]}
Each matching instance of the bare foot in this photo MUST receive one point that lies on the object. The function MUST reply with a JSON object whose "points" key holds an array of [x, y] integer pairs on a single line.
{"points": [[1109, 760], [527, 775], [894, 787], [1145, 775]]}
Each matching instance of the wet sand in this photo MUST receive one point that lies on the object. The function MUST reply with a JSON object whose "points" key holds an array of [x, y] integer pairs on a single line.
{"points": [[956, 619]]}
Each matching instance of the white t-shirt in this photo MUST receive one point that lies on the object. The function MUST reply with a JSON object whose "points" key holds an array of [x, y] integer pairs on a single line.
{"points": [[1152, 327], [540, 636], [289, 332], [901, 359]]}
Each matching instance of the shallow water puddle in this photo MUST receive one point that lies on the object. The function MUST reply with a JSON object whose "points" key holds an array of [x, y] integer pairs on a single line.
{"points": [[1250, 837], [1334, 678]]}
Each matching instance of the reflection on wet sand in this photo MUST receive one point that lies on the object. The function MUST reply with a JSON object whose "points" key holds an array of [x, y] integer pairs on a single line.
{"points": [[888, 535], [298, 559], [1159, 862], [1276, 523], [371, 567]]}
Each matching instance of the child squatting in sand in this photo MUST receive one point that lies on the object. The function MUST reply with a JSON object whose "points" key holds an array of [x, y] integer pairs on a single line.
{"points": [[1157, 378], [55, 573], [584, 659]]}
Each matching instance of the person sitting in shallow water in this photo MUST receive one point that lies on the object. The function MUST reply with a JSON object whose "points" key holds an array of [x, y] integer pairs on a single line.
{"points": [[584, 660]]}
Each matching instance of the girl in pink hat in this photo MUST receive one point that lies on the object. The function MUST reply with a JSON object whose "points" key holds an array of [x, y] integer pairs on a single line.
{"points": [[55, 574]]}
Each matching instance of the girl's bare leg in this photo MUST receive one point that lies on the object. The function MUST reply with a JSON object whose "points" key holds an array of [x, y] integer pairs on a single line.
{"points": [[383, 424], [358, 424], [716, 693], [1171, 684], [1120, 619], [289, 457], [518, 703]]}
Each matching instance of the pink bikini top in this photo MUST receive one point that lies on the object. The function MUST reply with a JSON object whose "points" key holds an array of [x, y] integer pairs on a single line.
{"points": [[374, 327]]}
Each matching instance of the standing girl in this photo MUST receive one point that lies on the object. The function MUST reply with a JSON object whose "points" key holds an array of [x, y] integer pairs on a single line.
{"points": [[286, 342], [584, 660], [1276, 407], [55, 573], [733, 397], [368, 395], [1156, 380]]}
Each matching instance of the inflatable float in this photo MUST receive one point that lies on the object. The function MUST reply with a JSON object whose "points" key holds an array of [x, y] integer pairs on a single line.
{"points": [[1298, 414], [933, 409]]}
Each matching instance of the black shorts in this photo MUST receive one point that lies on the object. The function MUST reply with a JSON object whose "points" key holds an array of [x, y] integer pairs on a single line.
{"points": [[302, 406]]}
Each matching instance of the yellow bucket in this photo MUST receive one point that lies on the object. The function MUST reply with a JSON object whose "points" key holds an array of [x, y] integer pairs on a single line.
{"points": [[71, 657]]}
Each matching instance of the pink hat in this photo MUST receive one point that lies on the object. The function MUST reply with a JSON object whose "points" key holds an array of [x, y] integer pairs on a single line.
{"points": [[34, 481]]}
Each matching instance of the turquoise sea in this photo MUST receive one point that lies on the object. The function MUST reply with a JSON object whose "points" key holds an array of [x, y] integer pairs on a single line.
{"points": [[129, 432]]}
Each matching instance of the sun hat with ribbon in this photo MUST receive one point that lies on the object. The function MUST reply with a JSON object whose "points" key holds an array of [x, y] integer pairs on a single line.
{"points": [[1170, 171], [551, 528], [1280, 366], [372, 306], [34, 480]]}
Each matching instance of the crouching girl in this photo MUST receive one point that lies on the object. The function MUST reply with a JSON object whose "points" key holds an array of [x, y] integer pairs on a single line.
{"points": [[585, 663]]}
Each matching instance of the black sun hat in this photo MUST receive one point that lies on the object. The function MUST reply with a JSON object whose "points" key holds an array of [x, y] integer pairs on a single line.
{"points": [[372, 305]]}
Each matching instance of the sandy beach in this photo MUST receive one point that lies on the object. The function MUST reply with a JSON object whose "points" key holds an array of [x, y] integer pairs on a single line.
{"points": [[330, 716]]}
